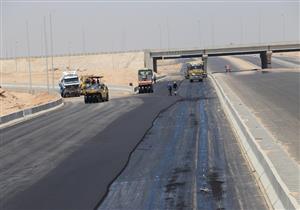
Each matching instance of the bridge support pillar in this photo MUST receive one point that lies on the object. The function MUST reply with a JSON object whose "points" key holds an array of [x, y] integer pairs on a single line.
{"points": [[148, 60], [266, 59], [204, 59], [154, 65]]}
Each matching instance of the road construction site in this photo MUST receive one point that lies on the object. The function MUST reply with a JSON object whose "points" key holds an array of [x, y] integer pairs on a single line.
{"points": [[154, 151]]}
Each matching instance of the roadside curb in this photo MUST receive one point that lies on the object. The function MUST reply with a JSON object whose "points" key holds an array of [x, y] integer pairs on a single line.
{"points": [[274, 188], [16, 117]]}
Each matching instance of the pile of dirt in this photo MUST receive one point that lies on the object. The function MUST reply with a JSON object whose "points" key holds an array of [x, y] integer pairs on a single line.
{"points": [[12, 101]]}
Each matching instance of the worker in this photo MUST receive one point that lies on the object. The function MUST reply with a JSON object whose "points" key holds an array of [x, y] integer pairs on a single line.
{"points": [[175, 88], [154, 78], [170, 88]]}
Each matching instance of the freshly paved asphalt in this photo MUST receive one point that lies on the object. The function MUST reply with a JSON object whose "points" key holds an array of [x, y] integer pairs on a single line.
{"points": [[273, 97], [189, 159], [66, 159]]}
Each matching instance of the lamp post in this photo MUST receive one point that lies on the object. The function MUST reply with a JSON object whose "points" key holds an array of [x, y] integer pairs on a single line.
{"points": [[16, 54], [51, 49], [46, 53], [28, 57]]}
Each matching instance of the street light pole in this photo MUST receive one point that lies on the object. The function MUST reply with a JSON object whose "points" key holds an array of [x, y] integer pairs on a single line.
{"points": [[16, 54], [69, 48], [283, 26], [83, 40], [28, 54], [160, 41], [46, 53], [199, 33], [51, 48]]}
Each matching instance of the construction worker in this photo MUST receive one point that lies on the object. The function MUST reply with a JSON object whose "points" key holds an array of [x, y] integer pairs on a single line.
{"points": [[170, 88], [175, 87]]}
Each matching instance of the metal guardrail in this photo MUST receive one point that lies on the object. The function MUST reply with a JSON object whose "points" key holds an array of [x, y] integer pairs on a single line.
{"points": [[27, 112]]}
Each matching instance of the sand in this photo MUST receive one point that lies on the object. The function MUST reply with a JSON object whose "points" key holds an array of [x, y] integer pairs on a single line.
{"points": [[117, 68], [12, 101]]}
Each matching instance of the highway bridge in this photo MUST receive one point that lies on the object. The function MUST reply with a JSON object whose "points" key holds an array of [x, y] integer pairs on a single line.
{"points": [[265, 51]]}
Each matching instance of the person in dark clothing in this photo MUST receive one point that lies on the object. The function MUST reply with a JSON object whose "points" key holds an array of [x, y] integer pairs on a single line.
{"points": [[175, 86], [170, 88]]}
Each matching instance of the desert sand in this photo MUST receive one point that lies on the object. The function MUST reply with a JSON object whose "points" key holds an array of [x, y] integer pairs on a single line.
{"points": [[12, 101]]}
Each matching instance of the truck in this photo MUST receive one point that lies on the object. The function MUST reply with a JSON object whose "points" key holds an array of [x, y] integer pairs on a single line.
{"points": [[69, 84], [195, 72], [145, 80]]}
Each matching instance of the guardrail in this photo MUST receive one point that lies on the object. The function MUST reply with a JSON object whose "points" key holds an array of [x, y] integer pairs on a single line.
{"points": [[30, 111], [276, 190]]}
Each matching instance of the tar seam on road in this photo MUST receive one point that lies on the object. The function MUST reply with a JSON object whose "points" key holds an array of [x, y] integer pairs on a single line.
{"points": [[132, 151]]}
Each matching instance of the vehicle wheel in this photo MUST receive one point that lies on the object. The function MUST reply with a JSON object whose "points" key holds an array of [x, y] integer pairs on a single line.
{"points": [[99, 98], [85, 100], [191, 80], [107, 97]]}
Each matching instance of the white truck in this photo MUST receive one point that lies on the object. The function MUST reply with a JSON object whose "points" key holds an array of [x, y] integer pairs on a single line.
{"points": [[69, 84]]}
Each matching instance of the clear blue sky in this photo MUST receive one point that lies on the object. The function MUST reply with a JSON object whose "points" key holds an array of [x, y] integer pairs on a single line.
{"points": [[129, 25]]}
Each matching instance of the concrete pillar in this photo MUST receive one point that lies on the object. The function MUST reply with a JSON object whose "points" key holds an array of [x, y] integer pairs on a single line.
{"points": [[147, 60], [204, 59], [154, 65], [266, 59]]}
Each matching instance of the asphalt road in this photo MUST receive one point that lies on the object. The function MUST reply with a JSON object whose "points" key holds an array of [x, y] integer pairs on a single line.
{"points": [[273, 97], [65, 159], [189, 159]]}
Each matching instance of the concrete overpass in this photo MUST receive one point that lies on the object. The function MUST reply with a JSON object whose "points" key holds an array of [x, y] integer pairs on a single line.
{"points": [[265, 52]]}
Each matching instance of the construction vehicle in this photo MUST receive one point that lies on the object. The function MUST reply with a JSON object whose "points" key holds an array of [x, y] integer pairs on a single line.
{"points": [[145, 80], [96, 91], [88, 80], [195, 72], [69, 84]]}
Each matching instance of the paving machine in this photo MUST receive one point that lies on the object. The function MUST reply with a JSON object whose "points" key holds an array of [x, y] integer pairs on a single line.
{"points": [[96, 92]]}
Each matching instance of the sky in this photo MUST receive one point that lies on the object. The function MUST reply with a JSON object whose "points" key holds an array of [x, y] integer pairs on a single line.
{"points": [[104, 26]]}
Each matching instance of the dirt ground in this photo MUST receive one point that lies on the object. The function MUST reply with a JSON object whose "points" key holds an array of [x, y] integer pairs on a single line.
{"points": [[118, 69], [12, 101]]}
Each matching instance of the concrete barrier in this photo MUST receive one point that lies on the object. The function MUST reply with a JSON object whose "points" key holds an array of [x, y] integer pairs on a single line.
{"points": [[30, 111], [274, 188]]}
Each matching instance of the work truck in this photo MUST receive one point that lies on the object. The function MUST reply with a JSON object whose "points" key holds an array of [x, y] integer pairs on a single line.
{"points": [[69, 84]]}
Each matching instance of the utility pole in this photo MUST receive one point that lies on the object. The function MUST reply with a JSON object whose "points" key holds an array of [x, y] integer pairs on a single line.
{"points": [[212, 32], [283, 26], [69, 49], [242, 31], [160, 36], [46, 53], [16, 54], [83, 40], [28, 54], [168, 34], [199, 33], [51, 48], [259, 30]]}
